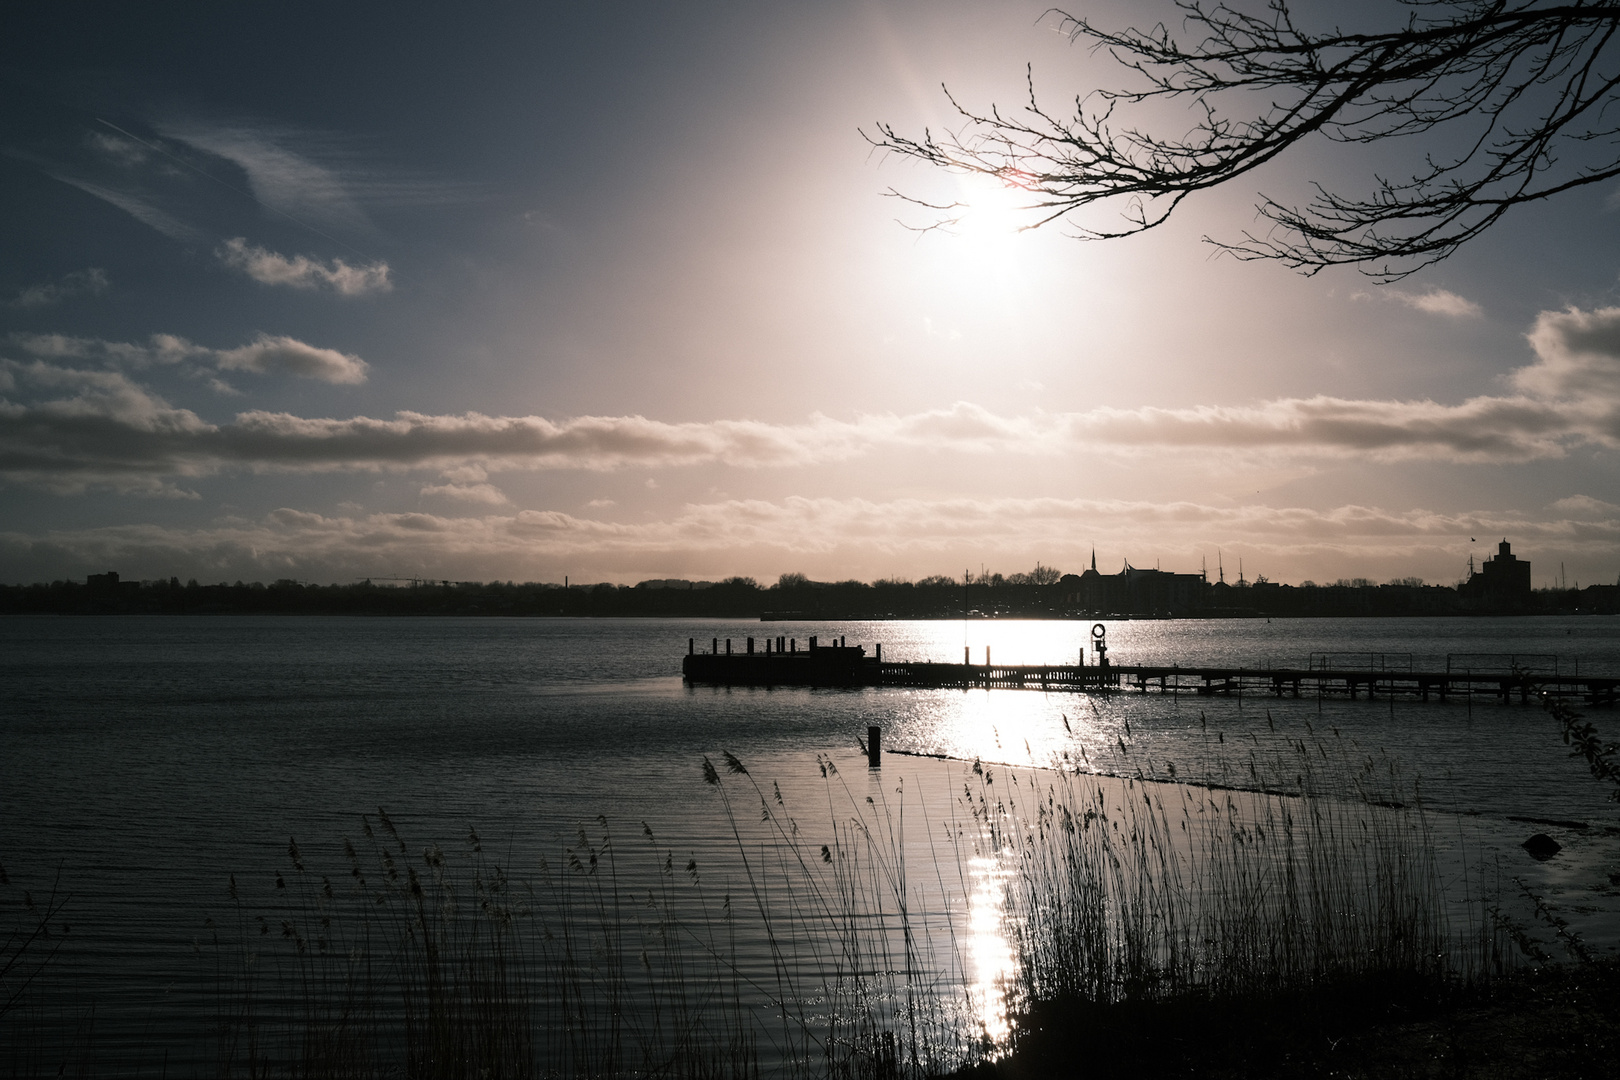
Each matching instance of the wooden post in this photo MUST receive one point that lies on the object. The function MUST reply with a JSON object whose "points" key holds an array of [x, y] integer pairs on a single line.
{"points": [[880, 652], [691, 646], [714, 646], [874, 746], [750, 646], [965, 660], [728, 646], [987, 656]]}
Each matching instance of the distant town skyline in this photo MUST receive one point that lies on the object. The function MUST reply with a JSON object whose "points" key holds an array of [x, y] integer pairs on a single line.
{"points": [[617, 292]]}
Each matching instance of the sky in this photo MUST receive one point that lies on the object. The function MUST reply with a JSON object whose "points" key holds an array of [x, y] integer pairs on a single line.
{"points": [[618, 291]]}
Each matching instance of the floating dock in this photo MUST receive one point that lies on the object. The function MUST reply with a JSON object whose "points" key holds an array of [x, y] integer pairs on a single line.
{"points": [[781, 662]]}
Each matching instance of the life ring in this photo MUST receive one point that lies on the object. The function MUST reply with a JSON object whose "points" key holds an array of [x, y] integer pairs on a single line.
{"points": [[1098, 632]]}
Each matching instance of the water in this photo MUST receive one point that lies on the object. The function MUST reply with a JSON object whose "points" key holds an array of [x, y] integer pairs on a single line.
{"points": [[148, 759]]}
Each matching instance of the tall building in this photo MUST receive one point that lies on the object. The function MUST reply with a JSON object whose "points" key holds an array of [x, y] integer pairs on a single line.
{"points": [[1500, 582]]}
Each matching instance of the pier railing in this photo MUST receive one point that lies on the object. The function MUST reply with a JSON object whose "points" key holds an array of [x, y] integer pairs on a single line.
{"points": [[1506, 663], [1359, 661], [1501, 676]]}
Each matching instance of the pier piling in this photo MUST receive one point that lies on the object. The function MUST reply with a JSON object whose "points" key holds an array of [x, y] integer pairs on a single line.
{"points": [[874, 747]]}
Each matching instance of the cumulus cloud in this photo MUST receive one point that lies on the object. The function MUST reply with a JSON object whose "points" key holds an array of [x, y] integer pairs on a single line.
{"points": [[267, 355], [1482, 429], [1569, 397], [302, 272], [271, 441], [98, 428], [1439, 302], [729, 534], [159, 349], [92, 281], [1586, 506], [1434, 301], [1577, 354], [264, 355], [475, 493]]}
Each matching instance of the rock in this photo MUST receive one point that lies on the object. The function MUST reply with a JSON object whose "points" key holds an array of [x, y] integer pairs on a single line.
{"points": [[1542, 847]]}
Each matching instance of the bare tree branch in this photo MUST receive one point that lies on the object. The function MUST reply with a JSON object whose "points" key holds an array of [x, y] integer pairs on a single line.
{"points": [[1526, 86]]}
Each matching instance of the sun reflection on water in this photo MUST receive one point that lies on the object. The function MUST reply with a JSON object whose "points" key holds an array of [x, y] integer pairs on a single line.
{"points": [[990, 951]]}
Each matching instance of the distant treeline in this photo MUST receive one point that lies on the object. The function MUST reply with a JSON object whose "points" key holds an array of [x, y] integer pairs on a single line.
{"points": [[1043, 594]]}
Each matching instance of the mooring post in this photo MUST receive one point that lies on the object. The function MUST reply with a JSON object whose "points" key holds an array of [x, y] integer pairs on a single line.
{"points": [[880, 652], [691, 646], [987, 656], [714, 646], [965, 660], [728, 646], [750, 646], [874, 747]]}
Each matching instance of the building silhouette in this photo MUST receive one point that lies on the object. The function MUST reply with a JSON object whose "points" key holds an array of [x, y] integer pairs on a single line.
{"points": [[1500, 583], [1146, 592]]}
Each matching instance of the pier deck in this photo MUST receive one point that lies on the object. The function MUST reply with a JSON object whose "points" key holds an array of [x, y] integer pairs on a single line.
{"points": [[850, 667]]}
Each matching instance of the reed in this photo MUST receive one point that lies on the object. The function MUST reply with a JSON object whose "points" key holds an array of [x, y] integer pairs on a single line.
{"points": [[846, 942], [1147, 891]]}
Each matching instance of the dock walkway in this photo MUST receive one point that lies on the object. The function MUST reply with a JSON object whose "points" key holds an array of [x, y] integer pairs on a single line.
{"points": [[782, 663]]}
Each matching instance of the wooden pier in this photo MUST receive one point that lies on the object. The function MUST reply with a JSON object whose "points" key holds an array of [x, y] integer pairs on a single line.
{"points": [[781, 662]]}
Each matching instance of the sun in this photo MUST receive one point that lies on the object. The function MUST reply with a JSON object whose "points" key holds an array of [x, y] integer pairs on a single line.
{"points": [[992, 211]]}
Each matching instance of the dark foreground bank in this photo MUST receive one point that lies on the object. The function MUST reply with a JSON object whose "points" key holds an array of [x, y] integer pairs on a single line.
{"points": [[1548, 1022]]}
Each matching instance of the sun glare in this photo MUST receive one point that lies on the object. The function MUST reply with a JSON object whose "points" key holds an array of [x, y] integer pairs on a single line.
{"points": [[986, 248], [992, 212]]}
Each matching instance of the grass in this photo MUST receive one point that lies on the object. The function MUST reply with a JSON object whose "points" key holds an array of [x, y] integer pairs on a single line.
{"points": [[858, 941]]}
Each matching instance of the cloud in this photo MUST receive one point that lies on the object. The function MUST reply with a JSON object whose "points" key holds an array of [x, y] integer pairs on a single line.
{"points": [[268, 355], [1569, 397], [476, 493], [1482, 429], [1434, 301], [78, 283], [122, 151], [264, 355], [138, 208], [301, 272], [1585, 506], [755, 535], [1439, 302], [270, 441], [1577, 355], [279, 177], [100, 428]]}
